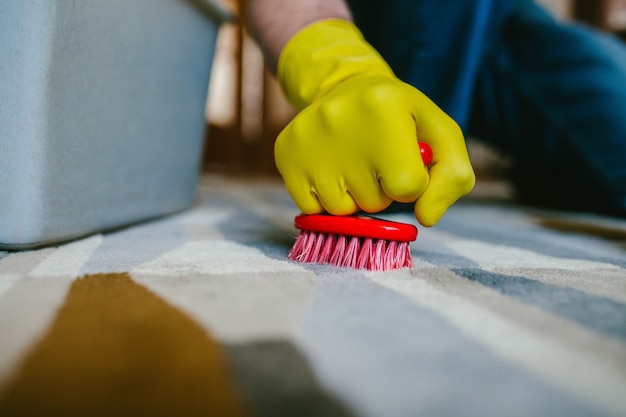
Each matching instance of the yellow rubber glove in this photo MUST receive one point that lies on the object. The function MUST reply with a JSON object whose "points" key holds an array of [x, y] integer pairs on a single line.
{"points": [[354, 143]]}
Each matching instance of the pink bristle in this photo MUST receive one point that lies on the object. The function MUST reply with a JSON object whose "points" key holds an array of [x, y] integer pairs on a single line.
{"points": [[307, 246], [340, 248], [296, 250], [398, 255], [391, 256], [405, 249], [327, 250], [316, 247], [363, 260], [352, 253], [378, 255]]}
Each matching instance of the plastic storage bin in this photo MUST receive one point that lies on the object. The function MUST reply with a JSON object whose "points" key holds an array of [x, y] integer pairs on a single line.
{"points": [[102, 113]]}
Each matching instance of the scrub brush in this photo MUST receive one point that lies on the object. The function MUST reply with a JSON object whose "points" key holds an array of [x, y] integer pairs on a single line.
{"points": [[359, 242]]}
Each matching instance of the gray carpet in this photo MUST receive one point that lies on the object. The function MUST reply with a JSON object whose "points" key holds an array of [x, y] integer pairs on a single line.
{"points": [[508, 311]]}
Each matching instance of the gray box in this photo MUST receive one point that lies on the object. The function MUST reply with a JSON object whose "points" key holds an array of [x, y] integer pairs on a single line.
{"points": [[102, 113]]}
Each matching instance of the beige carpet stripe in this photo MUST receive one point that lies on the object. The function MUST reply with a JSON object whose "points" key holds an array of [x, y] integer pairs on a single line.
{"points": [[22, 263], [609, 283], [26, 310], [597, 278], [7, 281], [239, 307], [214, 257], [68, 259], [33, 285]]}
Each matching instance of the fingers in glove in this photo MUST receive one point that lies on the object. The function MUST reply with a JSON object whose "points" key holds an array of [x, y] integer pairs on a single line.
{"points": [[303, 194], [368, 193], [446, 186], [334, 196]]}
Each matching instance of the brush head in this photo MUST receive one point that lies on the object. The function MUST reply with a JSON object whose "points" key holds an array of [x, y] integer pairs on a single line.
{"points": [[359, 242]]}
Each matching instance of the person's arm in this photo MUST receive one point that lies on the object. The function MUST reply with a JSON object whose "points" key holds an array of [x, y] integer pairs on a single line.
{"points": [[354, 143], [273, 22]]}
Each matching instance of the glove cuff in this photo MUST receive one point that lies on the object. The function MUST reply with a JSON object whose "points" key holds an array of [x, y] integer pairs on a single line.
{"points": [[322, 55]]}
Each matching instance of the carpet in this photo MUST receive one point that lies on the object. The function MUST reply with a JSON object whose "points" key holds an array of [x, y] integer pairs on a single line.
{"points": [[508, 311]]}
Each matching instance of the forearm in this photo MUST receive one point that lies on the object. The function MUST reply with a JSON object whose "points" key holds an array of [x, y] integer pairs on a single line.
{"points": [[273, 22]]}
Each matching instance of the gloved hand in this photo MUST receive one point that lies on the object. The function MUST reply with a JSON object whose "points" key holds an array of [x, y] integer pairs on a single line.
{"points": [[354, 143]]}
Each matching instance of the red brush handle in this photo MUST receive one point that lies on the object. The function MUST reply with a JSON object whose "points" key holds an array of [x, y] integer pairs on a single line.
{"points": [[360, 226]]}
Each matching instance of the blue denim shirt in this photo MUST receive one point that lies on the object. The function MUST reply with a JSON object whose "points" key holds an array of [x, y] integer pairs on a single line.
{"points": [[434, 45], [550, 94]]}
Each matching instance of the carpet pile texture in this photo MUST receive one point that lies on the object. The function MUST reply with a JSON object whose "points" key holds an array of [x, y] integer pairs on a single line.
{"points": [[508, 311]]}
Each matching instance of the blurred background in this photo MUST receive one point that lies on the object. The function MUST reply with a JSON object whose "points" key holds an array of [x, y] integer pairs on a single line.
{"points": [[246, 109]]}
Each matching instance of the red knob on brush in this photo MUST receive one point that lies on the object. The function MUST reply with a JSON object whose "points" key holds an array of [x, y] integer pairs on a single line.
{"points": [[427, 153]]}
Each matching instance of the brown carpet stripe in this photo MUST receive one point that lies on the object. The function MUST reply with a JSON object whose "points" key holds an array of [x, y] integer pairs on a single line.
{"points": [[116, 349]]}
